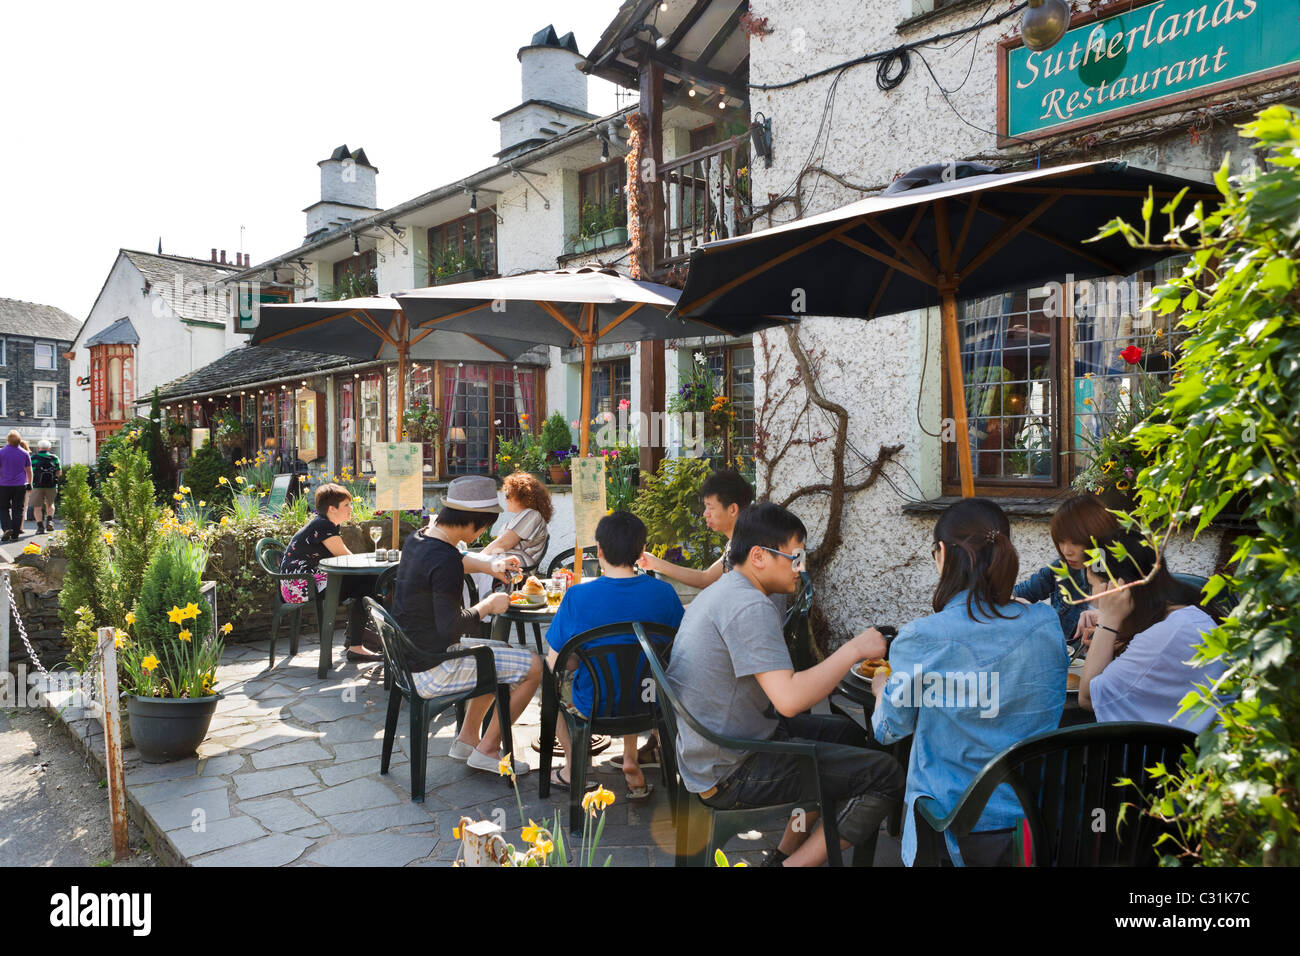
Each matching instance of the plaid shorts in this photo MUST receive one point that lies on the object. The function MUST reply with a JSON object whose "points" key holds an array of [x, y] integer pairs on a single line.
{"points": [[461, 673]]}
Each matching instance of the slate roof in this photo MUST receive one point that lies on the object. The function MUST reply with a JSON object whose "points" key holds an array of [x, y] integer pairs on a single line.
{"points": [[168, 276], [121, 332], [247, 366], [37, 321]]}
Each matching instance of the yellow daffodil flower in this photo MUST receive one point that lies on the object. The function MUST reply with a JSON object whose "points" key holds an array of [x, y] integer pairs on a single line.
{"points": [[176, 615], [222, 480], [203, 504], [178, 497], [239, 480], [130, 617], [192, 610], [227, 628], [544, 847], [150, 663], [506, 767], [185, 635], [119, 639], [600, 798], [185, 489]]}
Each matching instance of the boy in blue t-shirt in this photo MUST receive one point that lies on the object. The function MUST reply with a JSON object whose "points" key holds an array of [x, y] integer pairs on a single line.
{"points": [[619, 594]]}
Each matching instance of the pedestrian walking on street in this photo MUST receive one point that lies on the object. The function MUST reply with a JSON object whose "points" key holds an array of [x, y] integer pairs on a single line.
{"points": [[15, 482], [46, 469]]}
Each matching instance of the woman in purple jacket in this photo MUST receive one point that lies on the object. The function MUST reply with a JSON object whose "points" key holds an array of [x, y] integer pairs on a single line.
{"points": [[15, 482]]}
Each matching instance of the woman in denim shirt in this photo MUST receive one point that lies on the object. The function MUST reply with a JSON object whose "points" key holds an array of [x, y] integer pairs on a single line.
{"points": [[980, 674]]}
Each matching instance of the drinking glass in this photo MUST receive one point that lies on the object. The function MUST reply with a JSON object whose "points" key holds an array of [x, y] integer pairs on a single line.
{"points": [[554, 594], [376, 533]]}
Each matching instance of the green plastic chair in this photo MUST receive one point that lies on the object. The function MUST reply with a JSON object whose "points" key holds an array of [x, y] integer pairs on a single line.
{"points": [[1062, 778], [590, 566], [699, 824], [618, 707], [269, 553], [397, 648]]}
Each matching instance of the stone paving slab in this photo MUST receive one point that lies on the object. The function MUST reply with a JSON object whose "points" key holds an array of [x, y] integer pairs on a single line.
{"points": [[289, 776]]}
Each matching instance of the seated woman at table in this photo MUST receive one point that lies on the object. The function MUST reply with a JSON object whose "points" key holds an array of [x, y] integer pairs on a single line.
{"points": [[1078, 525], [980, 674], [528, 505], [319, 539], [427, 604], [1160, 623]]}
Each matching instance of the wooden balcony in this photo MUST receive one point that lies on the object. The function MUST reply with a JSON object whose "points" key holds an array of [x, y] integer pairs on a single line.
{"points": [[699, 197]]}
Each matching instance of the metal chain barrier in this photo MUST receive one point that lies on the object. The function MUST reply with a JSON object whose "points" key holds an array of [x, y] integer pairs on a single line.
{"points": [[22, 631], [90, 689]]}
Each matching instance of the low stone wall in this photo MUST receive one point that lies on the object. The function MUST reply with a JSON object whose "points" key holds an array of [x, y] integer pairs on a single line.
{"points": [[36, 581]]}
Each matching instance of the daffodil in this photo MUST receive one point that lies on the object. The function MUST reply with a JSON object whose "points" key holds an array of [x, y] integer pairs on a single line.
{"points": [[178, 497], [506, 767], [455, 833], [176, 615], [530, 833], [227, 628], [119, 639], [150, 663], [203, 504], [130, 617], [185, 489], [600, 798], [222, 480], [239, 479], [184, 635], [192, 610]]}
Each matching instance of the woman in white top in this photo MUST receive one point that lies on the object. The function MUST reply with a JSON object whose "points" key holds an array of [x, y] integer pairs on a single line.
{"points": [[1139, 662], [528, 511]]}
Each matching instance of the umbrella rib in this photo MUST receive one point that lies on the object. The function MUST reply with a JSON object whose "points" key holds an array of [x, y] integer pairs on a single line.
{"points": [[480, 342], [606, 329], [1012, 229], [560, 317], [350, 314], [1134, 193], [454, 315], [906, 247], [1074, 249], [888, 260], [965, 228], [880, 294], [771, 263], [420, 335]]}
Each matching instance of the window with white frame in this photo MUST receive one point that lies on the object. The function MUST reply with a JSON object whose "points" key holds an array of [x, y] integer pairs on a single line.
{"points": [[3, 359], [45, 403], [4, 398], [45, 355]]}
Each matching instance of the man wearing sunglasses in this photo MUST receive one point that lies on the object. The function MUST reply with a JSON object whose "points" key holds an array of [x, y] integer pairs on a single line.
{"points": [[731, 670]]}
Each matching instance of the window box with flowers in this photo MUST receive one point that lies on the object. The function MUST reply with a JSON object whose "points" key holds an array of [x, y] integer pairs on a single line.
{"points": [[708, 418]]}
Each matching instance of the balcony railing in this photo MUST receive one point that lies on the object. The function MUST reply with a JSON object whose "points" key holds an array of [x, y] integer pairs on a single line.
{"points": [[699, 197]]}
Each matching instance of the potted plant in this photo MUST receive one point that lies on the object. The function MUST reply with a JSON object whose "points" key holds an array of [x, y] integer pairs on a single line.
{"points": [[169, 655], [229, 430], [178, 433], [455, 266], [600, 226], [556, 441]]}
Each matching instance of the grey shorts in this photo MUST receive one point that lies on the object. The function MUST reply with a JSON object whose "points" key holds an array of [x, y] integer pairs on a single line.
{"points": [[461, 673], [42, 497]]}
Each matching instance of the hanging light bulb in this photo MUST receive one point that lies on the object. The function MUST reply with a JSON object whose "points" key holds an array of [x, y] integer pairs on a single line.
{"points": [[663, 8], [473, 200], [691, 92], [356, 245], [604, 150], [1044, 23]]}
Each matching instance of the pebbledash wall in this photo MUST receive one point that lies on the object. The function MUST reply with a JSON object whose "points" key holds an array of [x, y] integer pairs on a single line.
{"points": [[883, 572]]}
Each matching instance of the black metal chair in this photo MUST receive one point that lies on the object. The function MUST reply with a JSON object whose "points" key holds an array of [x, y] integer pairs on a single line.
{"points": [[797, 627], [1065, 781], [397, 648], [590, 566], [269, 553], [619, 676], [702, 829]]}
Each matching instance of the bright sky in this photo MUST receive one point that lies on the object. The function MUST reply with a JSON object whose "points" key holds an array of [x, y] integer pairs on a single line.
{"points": [[123, 122]]}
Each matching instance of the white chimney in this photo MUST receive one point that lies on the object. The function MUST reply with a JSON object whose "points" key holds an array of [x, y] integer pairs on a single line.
{"points": [[554, 93], [347, 191]]}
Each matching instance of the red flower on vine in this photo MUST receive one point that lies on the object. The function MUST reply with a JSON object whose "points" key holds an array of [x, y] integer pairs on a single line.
{"points": [[1132, 355]]}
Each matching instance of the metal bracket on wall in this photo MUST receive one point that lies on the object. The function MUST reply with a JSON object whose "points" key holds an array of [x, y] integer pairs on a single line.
{"points": [[520, 173]]}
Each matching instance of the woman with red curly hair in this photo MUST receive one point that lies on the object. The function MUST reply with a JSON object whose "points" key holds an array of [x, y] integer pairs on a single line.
{"points": [[528, 505]]}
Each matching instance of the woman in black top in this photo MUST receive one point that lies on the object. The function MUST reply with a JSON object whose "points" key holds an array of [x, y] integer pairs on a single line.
{"points": [[318, 539]]}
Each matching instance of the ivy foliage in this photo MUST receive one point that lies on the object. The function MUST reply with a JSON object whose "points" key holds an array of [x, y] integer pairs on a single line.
{"points": [[669, 504], [1228, 432]]}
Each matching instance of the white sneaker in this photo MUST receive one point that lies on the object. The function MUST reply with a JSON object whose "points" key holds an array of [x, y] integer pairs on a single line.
{"points": [[481, 761], [460, 750]]}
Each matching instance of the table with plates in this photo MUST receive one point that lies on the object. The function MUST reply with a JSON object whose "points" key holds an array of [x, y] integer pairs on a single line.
{"points": [[336, 569]]}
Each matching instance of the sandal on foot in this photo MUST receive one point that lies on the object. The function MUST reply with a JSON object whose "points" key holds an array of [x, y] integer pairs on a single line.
{"points": [[560, 783], [356, 657], [636, 794]]}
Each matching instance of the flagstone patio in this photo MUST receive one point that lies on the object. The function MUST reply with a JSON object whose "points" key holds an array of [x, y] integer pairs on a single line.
{"points": [[289, 775]]}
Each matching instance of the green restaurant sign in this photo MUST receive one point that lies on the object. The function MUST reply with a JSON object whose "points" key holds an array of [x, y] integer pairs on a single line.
{"points": [[1145, 56]]}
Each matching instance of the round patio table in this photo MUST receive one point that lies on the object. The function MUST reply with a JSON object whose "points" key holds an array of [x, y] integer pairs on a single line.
{"points": [[336, 569]]}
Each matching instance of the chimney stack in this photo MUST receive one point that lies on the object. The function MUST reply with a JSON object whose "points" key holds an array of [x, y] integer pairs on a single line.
{"points": [[214, 254], [223, 257], [554, 93], [347, 191]]}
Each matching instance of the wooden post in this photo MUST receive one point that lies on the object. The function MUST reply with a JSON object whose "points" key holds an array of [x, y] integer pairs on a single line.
{"points": [[401, 412], [651, 397], [113, 743], [957, 389], [652, 107]]}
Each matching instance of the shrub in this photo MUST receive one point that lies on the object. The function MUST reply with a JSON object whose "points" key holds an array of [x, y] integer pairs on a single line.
{"points": [[130, 492], [669, 504], [170, 651], [129, 435], [556, 436], [90, 580], [203, 477]]}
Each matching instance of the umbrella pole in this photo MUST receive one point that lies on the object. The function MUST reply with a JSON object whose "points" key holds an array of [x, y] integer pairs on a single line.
{"points": [[401, 414], [584, 425], [957, 388]]}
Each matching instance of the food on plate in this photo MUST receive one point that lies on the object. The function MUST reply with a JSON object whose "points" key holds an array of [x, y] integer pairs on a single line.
{"points": [[534, 587], [519, 597], [869, 668], [1072, 681]]}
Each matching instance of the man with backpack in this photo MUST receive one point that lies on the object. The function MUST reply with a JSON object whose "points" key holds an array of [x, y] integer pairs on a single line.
{"points": [[45, 479]]}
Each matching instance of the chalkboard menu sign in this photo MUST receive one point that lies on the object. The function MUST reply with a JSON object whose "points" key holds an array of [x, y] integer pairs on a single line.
{"points": [[280, 486]]}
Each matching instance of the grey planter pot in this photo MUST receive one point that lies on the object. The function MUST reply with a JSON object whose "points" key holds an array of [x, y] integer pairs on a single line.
{"points": [[166, 729]]}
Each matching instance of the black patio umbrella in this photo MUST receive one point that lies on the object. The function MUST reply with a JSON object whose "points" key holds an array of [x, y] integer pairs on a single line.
{"points": [[939, 232]]}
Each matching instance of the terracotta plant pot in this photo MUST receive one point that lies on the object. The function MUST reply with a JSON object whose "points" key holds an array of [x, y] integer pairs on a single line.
{"points": [[558, 475]]}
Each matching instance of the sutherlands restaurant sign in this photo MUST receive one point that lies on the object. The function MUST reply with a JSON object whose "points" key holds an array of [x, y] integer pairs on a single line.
{"points": [[1115, 64]]}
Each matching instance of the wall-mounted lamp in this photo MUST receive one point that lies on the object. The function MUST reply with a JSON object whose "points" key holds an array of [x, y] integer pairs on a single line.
{"points": [[760, 135], [1044, 22], [473, 200], [604, 151], [356, 245]]}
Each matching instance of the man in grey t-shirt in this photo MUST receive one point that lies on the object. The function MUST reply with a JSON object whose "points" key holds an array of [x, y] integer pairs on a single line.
{"points": [[730, 669]]}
